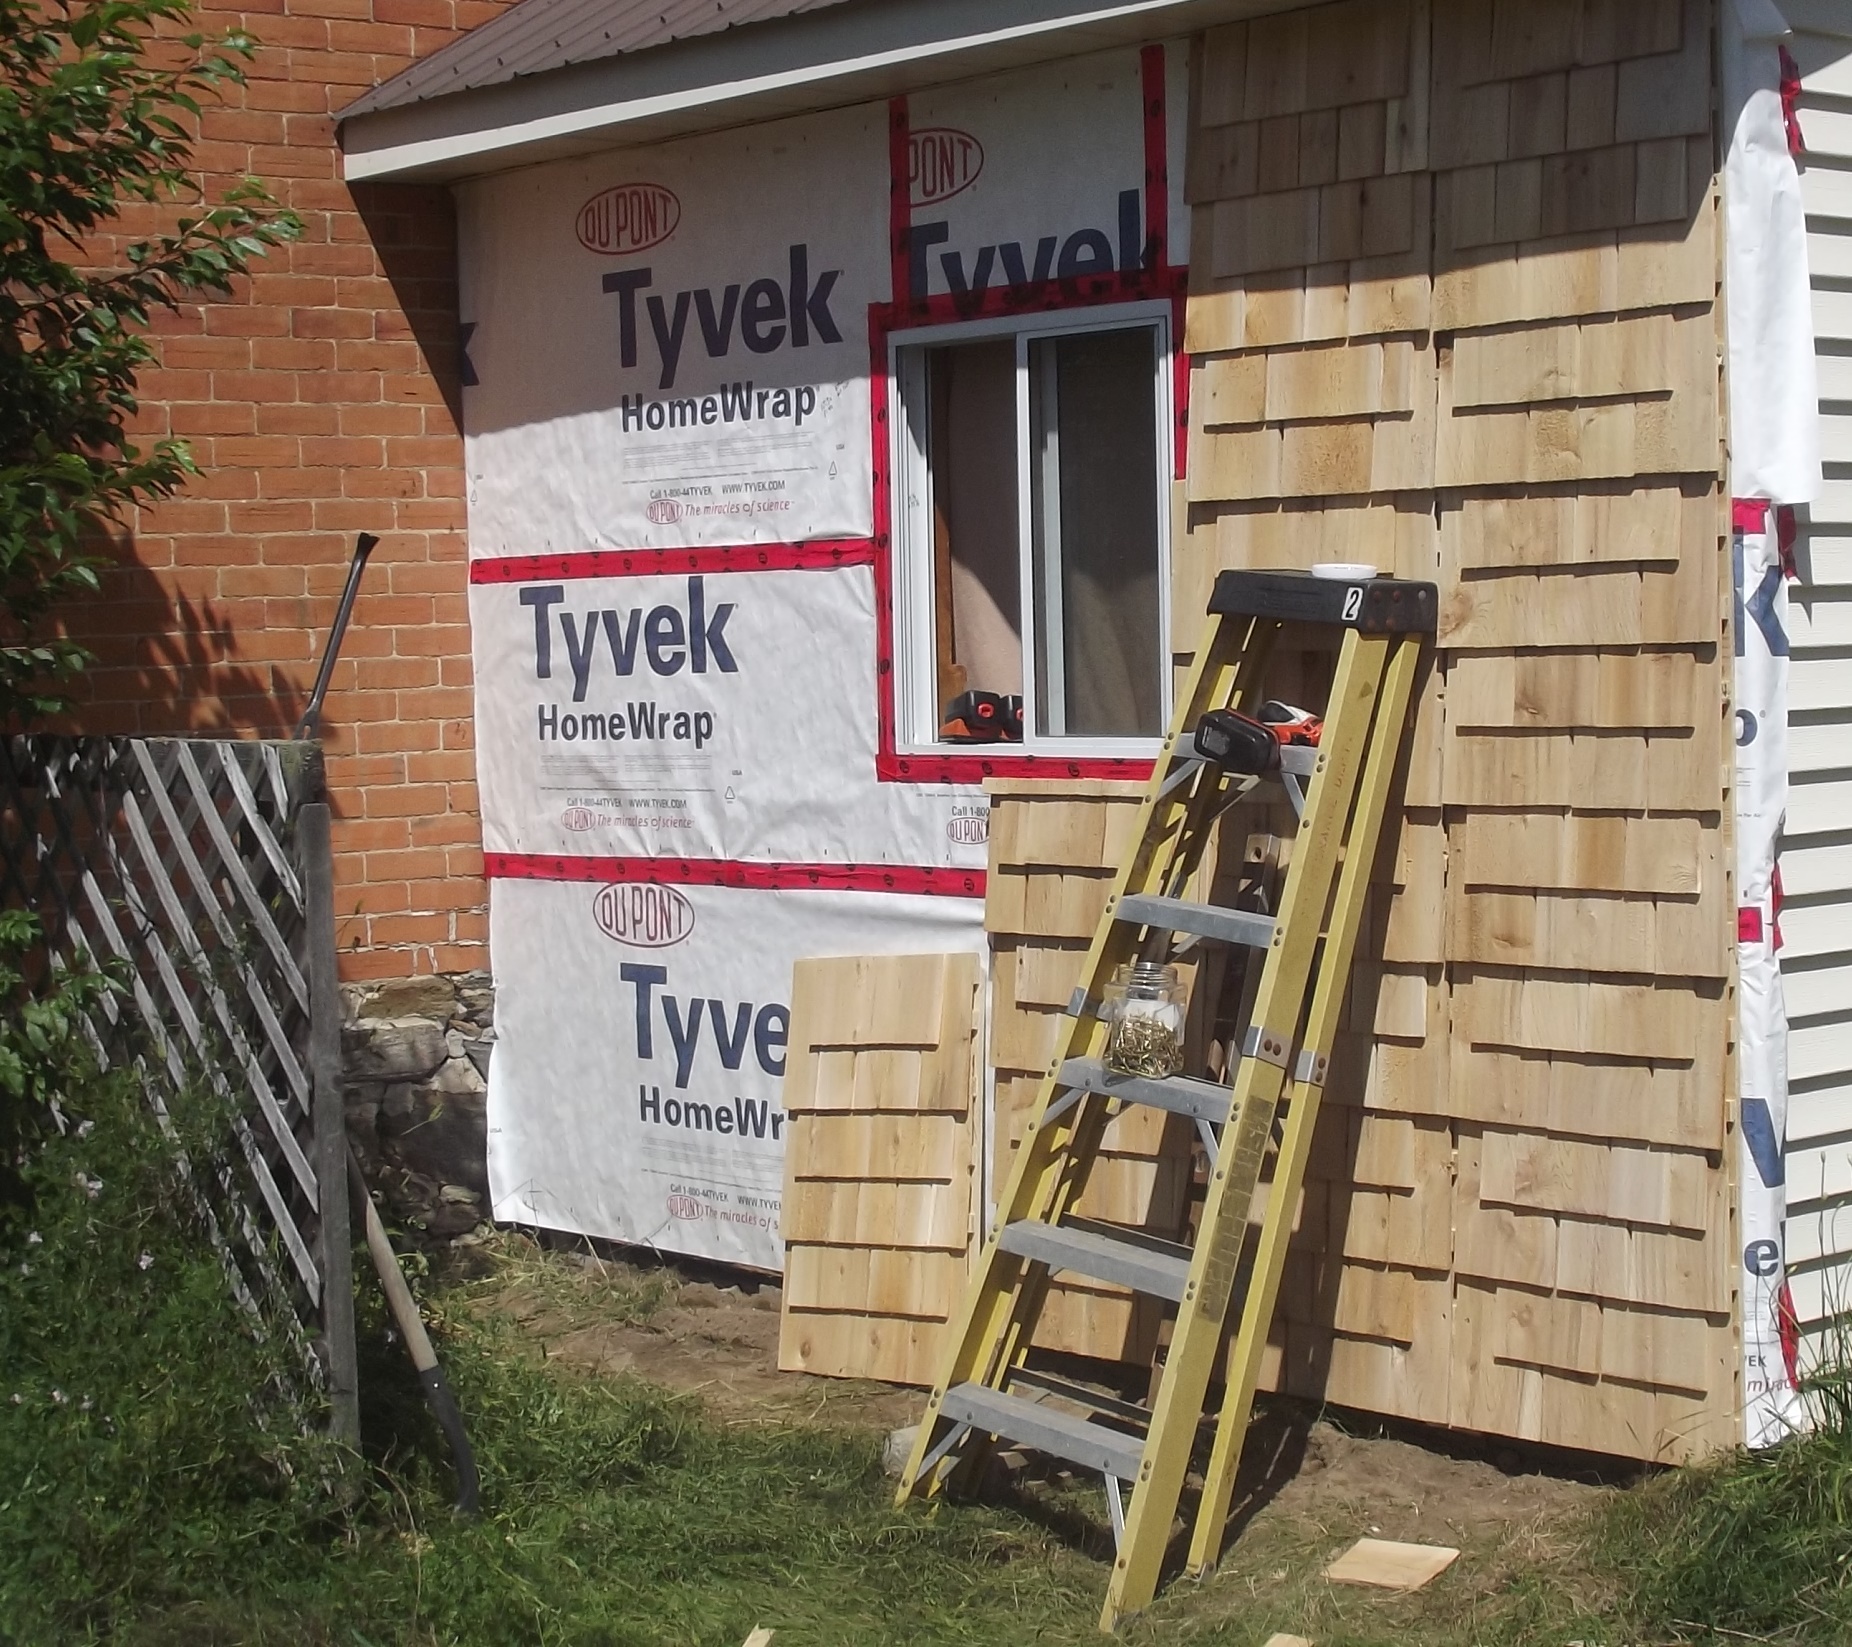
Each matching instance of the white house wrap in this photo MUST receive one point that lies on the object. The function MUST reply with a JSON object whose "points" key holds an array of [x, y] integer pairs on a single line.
{"points": [[678, 448], [1775, 460]]}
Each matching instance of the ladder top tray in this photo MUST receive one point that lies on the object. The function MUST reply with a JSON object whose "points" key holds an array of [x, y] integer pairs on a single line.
{"points": [[1375, 606]]}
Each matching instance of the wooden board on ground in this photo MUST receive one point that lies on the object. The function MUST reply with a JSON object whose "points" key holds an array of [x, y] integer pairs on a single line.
{"points": [[1391, 1566]]}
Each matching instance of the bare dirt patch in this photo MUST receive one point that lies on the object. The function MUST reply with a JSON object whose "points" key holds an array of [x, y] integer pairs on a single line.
{"points": [[715, 1339], [1312, 1483]]}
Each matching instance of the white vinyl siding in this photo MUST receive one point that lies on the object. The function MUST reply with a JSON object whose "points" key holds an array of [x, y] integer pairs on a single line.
{"points": [[1816, 863]]}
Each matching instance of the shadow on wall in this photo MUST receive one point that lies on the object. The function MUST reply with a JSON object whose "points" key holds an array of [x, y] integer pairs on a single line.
{"points": [[414, 235], [169, 663], [173, 655]]}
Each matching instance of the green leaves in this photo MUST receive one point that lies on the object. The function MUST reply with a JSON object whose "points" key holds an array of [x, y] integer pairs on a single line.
{"points": [[89, 126]]}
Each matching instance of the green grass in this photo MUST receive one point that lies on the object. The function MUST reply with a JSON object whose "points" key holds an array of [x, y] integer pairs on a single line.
{"points": [[154, 1489], [1750, 1546], [150, 1496], [152, 1493]]}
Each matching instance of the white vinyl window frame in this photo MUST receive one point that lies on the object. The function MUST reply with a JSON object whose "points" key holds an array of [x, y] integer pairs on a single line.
{"points": [[916, 707]]}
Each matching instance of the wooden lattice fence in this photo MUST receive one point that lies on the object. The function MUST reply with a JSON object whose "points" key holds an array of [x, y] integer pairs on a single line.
{"points": [[201, 867]]}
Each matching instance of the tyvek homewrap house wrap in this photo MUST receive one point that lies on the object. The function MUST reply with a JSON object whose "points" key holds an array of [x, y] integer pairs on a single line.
{"points": [[1774, 462], [1456, 306], [681, 480]]}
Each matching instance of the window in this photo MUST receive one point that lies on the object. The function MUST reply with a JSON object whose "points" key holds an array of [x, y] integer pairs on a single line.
{"points": [[1031, 592]]}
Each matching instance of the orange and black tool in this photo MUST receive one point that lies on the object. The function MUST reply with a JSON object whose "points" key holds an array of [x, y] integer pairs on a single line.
{"points": [[982, 717]]}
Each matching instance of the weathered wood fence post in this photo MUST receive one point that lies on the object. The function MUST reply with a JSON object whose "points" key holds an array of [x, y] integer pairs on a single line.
{"points": [[335, 1236]]}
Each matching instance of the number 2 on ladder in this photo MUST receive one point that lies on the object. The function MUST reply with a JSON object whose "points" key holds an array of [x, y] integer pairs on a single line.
{"points": [[1353, 602]]}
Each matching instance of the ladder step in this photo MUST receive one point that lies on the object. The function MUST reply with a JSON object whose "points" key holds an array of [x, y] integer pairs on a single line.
{"points": [[1227, 926], [1180, 1094], [1376, 606], [1047, 1429], [1160, 1269]]}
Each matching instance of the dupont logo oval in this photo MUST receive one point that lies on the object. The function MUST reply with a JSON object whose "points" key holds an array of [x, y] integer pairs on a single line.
{"points": [[643, 916], [664, 511], [941, 161], [577, 818], [632, 217], [969, 829], [687, 1208]]}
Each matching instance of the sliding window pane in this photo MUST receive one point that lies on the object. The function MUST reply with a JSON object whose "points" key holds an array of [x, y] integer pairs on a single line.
{"points": [[977, 578], [1094, 499]]}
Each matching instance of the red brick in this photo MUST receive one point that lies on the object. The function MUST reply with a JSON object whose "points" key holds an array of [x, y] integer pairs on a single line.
{"points": [[186, 515], [383, 483], [437, 703], [403, 422], [371, 355], [297, 483], [236, 582], [241, 125], [296, 419], [338, 69], [259, 451], [308, 397], [439, 640], [337, 259], [159, 385], [440, 766], [464, 861], [390, 737], [292, 354], [440, 892], [383, 898], [357, 835], [348, 387], [427, 578], [362, 965], [418, 863], [330, 323], [333, 514], [296, 28], [404, 673], [261, 388], [211, 418], [409, 929], [344, 452], [272, 517], [427, 514], [246, 320], [227, 485], [223, 353], [283, 291], [437, 14], [386, 35]]}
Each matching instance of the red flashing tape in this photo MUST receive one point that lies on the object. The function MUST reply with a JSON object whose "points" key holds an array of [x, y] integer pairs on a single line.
{"points": [[972, 769], [764, 877], [1749, 514], [819, 555]]}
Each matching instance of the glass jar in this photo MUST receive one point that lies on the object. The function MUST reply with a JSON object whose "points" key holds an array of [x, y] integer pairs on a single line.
{"points": [[1143, 1011]]}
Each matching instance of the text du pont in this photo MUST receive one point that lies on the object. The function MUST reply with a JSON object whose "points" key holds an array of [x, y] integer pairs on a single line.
{"points": [[732, 1027]]}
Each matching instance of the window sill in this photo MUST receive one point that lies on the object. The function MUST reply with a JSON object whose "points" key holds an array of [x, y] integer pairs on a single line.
{"points": [[973, 763]]}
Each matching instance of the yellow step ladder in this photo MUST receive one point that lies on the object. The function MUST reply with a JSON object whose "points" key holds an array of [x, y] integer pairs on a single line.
{"points": [[1340, 788]]}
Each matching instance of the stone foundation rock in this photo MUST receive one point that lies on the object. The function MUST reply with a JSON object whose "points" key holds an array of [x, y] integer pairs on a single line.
{"points": [[415, 1055]]}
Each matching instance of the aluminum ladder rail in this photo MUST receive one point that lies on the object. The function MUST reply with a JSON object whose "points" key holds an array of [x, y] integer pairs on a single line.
{"points": [[984, 1391]]}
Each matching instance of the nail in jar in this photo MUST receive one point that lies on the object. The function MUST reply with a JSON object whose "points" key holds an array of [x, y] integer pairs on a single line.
{"points": [[1144, 1017]]}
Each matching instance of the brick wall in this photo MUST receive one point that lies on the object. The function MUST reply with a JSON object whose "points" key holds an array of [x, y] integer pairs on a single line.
{"points": [[320, 402]]}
